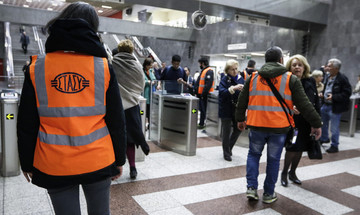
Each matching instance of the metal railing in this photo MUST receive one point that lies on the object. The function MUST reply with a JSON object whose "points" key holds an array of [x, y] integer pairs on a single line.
{"points": [[143, 52], [9, 60], [38, 40]]}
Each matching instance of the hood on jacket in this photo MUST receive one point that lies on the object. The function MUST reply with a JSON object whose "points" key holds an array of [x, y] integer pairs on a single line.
{"points": [[74, 35], [272, 70]]}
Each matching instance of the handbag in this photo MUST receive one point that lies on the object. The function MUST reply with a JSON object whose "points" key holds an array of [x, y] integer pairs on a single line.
{"points": [[292, 133], [315, 149]]}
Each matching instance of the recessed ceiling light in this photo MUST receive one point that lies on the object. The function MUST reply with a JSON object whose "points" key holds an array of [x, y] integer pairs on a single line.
{"points": [[25, 5], [100, 11], [49, 8], [28, 0], [105, 6], [1, 2]]}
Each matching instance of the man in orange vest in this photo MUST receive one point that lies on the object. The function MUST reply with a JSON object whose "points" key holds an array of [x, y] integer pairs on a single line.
{"points": [[203, 86], [249, 69], [267, 120]]}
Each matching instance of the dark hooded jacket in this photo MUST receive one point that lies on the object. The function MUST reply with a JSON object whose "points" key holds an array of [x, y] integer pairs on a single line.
{"points": [[299, 98], [76, 36]]}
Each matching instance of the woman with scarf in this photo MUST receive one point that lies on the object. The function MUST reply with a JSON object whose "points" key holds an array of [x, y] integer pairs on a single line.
{"points": [[131, 83]]}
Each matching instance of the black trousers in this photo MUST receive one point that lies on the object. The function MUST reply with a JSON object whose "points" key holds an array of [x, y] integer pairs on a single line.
{"points": [[202, 109], [230, 134]]}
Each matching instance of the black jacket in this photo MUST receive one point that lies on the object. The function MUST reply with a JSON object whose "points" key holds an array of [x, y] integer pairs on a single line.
{"points": [[209, 79], [70, 35], [227, 101], [341, 92]]}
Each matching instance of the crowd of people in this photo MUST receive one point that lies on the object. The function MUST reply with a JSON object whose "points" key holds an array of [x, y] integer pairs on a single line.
{"points": [[80, 134]]}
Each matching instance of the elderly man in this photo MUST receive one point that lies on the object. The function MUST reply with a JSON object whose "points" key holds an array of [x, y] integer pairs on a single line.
{"points": [[268, 122], [337, 92]]}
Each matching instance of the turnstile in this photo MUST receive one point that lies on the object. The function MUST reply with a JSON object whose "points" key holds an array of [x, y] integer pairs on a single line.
{"points": [[353, 113], [139, 154], [179, 124], [213, 122], [155, 116], [10, 164]]}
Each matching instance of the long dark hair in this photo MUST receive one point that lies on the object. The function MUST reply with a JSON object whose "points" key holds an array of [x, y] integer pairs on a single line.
{"points": [[147, 62], [80, 10]]}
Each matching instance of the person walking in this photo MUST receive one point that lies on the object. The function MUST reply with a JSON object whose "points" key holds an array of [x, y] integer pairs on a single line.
{"points": [[299, 67], [203, 86], [71, 124], [131, 81], [150, 84], [268, 122], [336, 100], [229, 88], [24, 40]]}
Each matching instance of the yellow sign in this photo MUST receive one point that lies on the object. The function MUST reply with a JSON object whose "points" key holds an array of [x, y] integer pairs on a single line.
{"points": [[141, 112], [9, 116], [193, 111]]}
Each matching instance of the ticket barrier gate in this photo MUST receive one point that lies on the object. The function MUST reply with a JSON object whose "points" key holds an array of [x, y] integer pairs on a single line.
{"points": [[213, 122], [139, 154], [10, 164], [179, 124], [155, 116], [354, 100]]}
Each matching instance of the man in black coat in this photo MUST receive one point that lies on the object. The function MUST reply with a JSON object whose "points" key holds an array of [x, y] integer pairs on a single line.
{"points": [[24, 40], [337, 92]]}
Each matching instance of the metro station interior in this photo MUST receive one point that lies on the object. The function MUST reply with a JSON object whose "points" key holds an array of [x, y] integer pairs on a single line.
{"points": [[185, 172]]}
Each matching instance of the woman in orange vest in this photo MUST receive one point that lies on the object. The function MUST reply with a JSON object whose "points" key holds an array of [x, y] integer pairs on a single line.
{"points": [[71, 128]]}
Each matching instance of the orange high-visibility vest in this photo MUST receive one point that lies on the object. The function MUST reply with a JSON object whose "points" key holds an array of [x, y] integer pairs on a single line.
{"points": [[264, 110], [202, 82], [70, 94], [245, 74]]}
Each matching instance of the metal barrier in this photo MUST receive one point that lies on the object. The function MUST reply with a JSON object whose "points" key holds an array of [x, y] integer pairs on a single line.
{"points": [[139, 154], [178, 124], [213, 122], [10, 165], [155, 116], [353, 113]]}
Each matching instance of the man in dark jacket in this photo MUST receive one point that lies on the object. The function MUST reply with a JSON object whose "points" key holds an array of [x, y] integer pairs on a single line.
{"points": [[337, 92], [24, 40], [267, 125]]}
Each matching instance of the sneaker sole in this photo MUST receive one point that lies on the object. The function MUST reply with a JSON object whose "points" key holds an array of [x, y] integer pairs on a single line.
{"points": [[269, 201], [252, 198]]}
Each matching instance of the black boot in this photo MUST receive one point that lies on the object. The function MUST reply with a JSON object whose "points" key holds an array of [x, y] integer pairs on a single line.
{"points": [[284, 181], [133, 172], [294, 178]]}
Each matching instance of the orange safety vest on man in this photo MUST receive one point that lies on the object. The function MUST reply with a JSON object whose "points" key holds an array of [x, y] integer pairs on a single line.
{"points": [[202, 82], [245, 74], [70, 94], [264, 110]]}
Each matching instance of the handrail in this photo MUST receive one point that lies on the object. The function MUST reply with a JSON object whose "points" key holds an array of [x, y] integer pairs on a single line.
{"points": [[143, 52], [9, 60], [156, 58], [118, 41], [39, 41]]}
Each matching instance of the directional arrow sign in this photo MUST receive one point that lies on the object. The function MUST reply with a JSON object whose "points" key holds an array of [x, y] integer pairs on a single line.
{"points": [[141, 112], [193, 111], [9, 116]]}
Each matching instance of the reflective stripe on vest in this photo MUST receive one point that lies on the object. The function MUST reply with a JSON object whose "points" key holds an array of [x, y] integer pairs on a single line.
{"points": [[264, 110], [202, 82], [245, 74], [70, 93]]}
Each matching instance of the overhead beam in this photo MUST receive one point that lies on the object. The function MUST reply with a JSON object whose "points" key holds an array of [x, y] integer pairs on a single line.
{"points": [[30, 16]]}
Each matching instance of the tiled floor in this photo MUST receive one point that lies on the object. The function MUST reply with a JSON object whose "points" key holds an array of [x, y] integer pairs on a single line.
{"points": [[169, 183]]}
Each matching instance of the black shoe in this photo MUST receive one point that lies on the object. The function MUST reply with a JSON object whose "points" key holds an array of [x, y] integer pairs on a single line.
{"points": [[284, 181], [293, 178], [228, 158], [332, 149], [133, 172], [324, 141]]}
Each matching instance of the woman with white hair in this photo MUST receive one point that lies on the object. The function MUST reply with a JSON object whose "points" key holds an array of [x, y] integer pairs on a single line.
{"points": [[318, 77], [229, 89]]}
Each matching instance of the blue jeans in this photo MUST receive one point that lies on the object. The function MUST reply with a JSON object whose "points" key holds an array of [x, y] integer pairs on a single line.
{"points": [[326, 116], [275, 144]]}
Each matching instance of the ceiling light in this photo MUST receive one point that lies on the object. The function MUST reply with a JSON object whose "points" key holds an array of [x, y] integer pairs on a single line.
{"points": [[49, 8], [54, 4], [230, 55], [100, 11], [240, 32], [1, 2], [107, 7], [258, 54], [28, 0], [25, 5]]}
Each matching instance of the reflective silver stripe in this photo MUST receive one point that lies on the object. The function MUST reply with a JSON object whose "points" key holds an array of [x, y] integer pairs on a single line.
{"points": [[46, 111], [269, 108], [73, 141], [40, 81], [201, 85], [254, 92]]}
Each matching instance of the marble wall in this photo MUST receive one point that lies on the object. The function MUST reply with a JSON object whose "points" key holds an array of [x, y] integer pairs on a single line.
{"points": [[340, 39]]}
